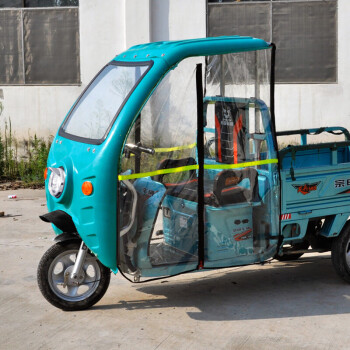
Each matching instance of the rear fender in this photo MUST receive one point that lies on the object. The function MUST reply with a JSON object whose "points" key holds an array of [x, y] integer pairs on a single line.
{"points": [[334, 224]]}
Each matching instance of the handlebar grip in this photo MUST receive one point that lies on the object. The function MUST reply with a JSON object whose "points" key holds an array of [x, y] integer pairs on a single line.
{"points": [[138, 149]]}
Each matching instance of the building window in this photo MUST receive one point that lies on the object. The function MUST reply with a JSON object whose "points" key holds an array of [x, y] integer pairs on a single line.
{"points": [[304, 31], [39, 42], [38, 3]]}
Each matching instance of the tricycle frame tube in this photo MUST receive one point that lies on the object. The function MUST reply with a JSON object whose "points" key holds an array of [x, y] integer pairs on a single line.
{"points": [[274, 134], [272, 95], [131, 188], [257, 93], [137, 140]]}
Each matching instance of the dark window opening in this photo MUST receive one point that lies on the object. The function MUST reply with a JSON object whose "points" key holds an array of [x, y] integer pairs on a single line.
{"points": [[38, 3], [304, 31], [40, 46]]}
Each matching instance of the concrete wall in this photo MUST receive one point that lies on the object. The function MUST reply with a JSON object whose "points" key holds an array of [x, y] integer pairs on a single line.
{"points": [[109, 26]]}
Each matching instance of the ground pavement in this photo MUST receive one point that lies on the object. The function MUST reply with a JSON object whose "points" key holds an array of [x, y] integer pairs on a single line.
{"points": [[295, 305]]}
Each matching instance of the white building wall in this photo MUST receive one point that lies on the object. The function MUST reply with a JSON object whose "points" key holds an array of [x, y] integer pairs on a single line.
{"points": [[110, 26], [178, 19]]}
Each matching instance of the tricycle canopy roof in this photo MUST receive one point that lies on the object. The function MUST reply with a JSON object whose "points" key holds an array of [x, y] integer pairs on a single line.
{"points": [[150, 62], [175, 51]]}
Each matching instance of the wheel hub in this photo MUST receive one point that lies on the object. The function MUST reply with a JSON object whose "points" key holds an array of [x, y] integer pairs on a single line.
{"points": [[76, 280]]}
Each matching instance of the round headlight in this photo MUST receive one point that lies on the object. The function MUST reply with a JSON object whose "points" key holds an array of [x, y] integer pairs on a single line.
{"points": [[57, 181]]}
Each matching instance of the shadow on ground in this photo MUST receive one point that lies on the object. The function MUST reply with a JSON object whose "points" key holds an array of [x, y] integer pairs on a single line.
{"points": [[307, 287]]}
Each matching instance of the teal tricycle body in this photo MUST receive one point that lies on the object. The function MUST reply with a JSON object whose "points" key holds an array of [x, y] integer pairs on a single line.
{"points": [[168, 163]]}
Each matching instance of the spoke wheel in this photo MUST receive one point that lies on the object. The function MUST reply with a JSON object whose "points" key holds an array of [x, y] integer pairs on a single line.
{"points": [[341, 253], [56, 284]]}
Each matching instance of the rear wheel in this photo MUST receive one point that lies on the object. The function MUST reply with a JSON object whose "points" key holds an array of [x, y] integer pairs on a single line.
{"points": [[341, 253], [59, 289]]}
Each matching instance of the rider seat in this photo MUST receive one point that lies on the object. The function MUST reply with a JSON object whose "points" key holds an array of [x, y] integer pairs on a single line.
{"points": [[231, 147], [223, 190]]}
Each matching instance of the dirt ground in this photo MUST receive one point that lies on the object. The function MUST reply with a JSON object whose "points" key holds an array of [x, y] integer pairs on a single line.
{"points": [[298, 305]]}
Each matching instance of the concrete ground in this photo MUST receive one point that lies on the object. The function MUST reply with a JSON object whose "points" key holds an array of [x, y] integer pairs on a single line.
{"points": [[298, 305]]}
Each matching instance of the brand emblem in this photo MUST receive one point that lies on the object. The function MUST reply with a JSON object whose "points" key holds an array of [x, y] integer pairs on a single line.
{"points": [[306, 188]]}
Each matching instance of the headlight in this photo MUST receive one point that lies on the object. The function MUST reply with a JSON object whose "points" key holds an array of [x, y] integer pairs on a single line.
{"points": [[57, 181]]}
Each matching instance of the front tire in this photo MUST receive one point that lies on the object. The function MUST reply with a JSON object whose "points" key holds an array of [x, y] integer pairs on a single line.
{"points": [[341, 253], [56, 285]]}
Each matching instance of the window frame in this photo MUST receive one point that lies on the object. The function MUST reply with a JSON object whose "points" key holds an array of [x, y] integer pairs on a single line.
{"points": [[66, 135], [24, 6]]}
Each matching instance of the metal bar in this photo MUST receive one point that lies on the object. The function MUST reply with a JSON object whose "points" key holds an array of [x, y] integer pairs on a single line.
{"points": [[303, 251], [200, 152], [257, 92], [137, 140], [222, 76], [80, 260]]}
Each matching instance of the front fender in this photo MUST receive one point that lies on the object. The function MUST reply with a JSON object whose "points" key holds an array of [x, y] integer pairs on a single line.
{"points": [[66, 237], [61, 220]]}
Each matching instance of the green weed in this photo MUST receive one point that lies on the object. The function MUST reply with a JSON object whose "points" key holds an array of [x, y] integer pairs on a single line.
{"points": [[22, 160]]}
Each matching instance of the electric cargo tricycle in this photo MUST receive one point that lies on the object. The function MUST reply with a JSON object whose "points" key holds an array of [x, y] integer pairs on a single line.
{"points": [[168, 163]]}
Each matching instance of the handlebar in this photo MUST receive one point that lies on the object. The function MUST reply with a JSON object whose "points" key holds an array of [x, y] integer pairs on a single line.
{"points": [[337, 130], [137, 149]]}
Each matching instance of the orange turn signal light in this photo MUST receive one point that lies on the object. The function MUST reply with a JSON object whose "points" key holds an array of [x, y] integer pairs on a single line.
{"points": [[45, 173], [87, 188]]}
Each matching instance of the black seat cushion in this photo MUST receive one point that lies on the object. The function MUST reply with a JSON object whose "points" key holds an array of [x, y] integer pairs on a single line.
{"points": [[189, 191]]}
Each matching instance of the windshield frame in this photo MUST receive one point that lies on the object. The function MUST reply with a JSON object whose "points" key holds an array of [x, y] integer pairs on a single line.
{"points": [[64, 134]]}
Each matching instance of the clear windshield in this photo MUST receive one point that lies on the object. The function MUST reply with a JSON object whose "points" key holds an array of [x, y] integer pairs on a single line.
{"points": [[100, 103], [160, 188]]}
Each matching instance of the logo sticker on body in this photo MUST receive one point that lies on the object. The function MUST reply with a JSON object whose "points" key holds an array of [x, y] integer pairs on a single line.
{"points": [[244, 235], [306, 188]]}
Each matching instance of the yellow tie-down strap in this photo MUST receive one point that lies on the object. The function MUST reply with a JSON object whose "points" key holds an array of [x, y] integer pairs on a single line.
{"points": [[240, 165], [196, 167], [158, 172]]}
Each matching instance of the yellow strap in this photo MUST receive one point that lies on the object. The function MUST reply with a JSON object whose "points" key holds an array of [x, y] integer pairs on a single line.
{"points": [[178, 148], [158, 172], [240, 165], [196, 167]]}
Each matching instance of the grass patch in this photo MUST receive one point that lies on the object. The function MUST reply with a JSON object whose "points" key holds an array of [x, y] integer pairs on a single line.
{"points": [[22, 160]]}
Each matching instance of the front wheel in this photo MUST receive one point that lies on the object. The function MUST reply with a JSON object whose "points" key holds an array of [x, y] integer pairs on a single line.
{"points": [[56, 285], [341, 253]]}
